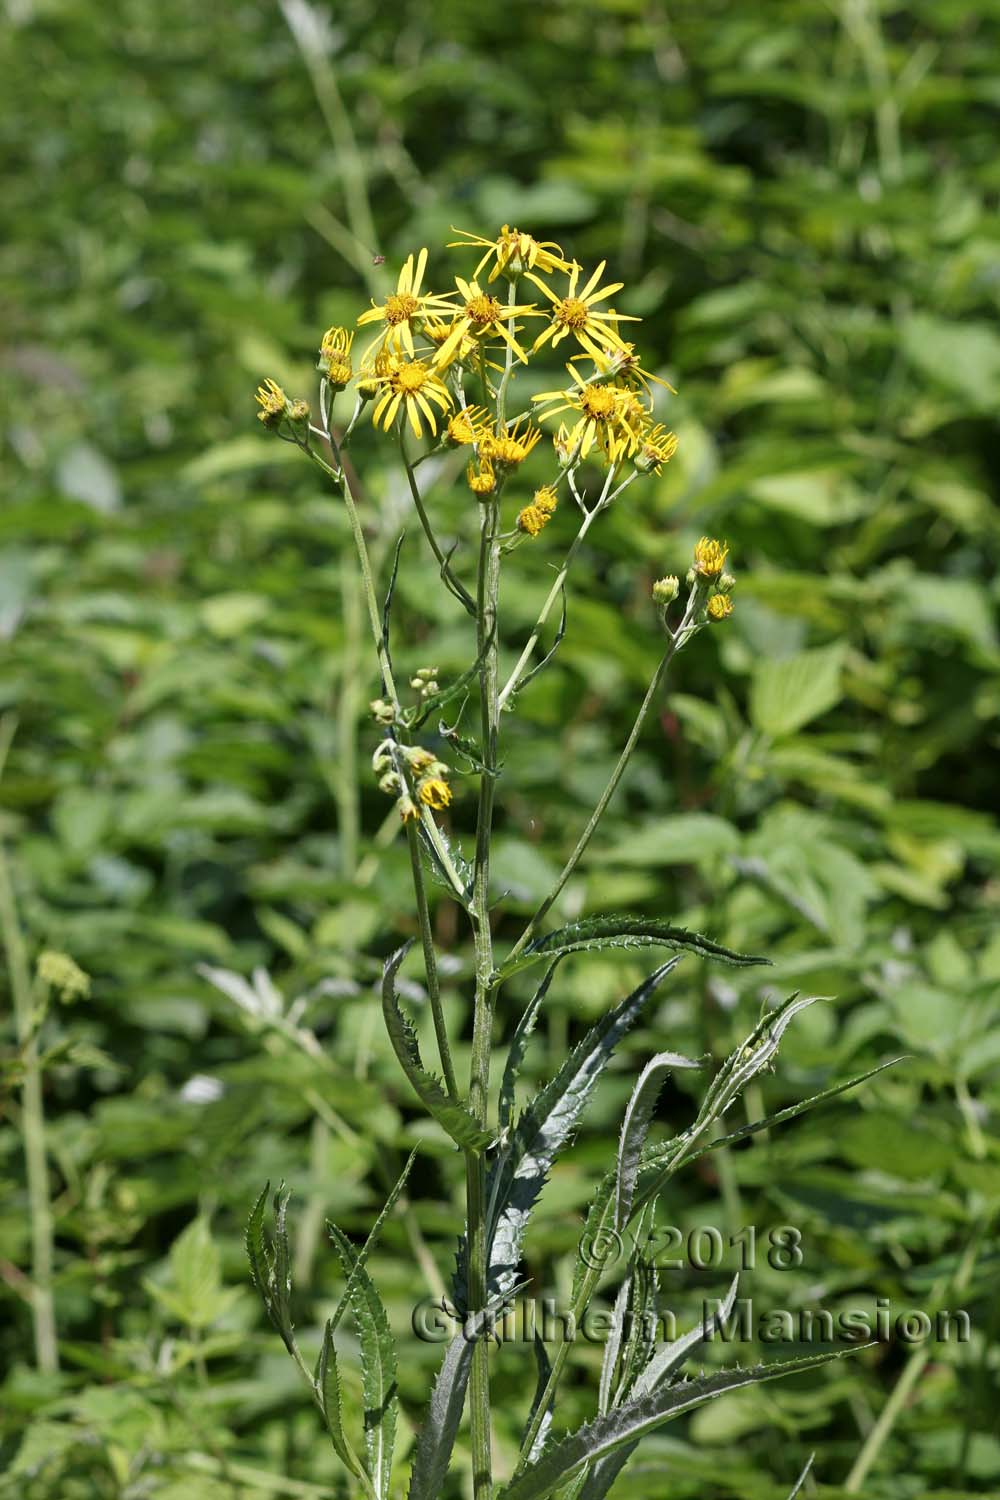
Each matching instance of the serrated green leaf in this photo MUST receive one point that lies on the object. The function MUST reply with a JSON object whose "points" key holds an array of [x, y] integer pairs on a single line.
{"points": [[378, 1364], [327, 1381], [618, 931], [635, 1127], [452, 1117], [631, 1422]]}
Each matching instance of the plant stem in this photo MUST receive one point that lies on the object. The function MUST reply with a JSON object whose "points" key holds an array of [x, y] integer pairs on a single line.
{"points": [[33, 1126], [677, 640], [346, 778], [460, 592]]}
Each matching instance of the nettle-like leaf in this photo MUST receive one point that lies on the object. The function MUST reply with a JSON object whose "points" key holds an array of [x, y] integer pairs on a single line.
{"points": [[374, 1235], [619, 932], [327, 1385], [270, 1263], [522, 1167], [635, 1126], [656, 1373], [378, 1364], [631, 1422], [544, 1366], [436, 1438], [518, 1047], [452, 1117]]}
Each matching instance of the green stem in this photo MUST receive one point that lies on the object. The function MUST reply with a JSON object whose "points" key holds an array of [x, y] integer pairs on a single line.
{"points": [[454, 584], [346, 773], [33, 1127], [677, 640]]}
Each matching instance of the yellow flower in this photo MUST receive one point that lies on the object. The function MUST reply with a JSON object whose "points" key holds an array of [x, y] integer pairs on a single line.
{"points": [[273, 403], [412, 385], [481, 480], [510, 447], [370, 375], [514, 253], [577, 314], [719, 607], [405, 307], [545, 499], [710, 557], [609, 415], [434, 793], [467, 426], [532, 518], [438, 331], [657, 447], [623, 365], [335, 356], [484, 315]]}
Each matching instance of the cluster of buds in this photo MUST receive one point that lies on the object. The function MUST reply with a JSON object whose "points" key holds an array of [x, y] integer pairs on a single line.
{"points": [[413, 775], [276, 407], [425, 681], [707, 572]]}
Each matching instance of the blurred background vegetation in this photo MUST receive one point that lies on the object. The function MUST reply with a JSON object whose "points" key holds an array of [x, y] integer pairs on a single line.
{"points": [[802, 199]]}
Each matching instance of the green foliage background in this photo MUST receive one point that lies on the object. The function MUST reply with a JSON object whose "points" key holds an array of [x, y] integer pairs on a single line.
{"points": [[802, 198]]}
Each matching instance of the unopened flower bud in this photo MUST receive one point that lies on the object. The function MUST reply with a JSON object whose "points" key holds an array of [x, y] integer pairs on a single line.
{"points": [[718, 608], [382, 712], [665, 590]]}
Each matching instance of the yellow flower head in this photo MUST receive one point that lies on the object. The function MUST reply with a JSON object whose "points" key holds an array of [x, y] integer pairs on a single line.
{"points": [[710, 557], [514, 253], [335, 356], [273, 403], [482, 317], [511, 447], [545, 499], [467, 426], [434, 793], [438, 331], [532, 518], [657, 447], [481, 479], [404, 308], [594, 328], [410, 385], [610, 415], [719, 607]]}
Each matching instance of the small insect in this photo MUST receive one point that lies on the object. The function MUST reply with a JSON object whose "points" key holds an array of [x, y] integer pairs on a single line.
{"points": [[378, 260]]}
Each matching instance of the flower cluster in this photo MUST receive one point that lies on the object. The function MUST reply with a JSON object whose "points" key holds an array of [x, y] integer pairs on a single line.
{"points": [[426, 346], [413, 775]]}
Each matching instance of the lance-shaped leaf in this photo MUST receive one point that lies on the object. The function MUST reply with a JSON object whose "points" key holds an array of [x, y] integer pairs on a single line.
{"points": [[630, 1423], [453, 1118], [605, 1471], [374, 1235], [387, 606], [619, 932], [544, 1367], [437, 1434], [270, 1262], [378, 1364], [518, 1046], [635, 1126], [327, 1383], [545, 1127]]}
